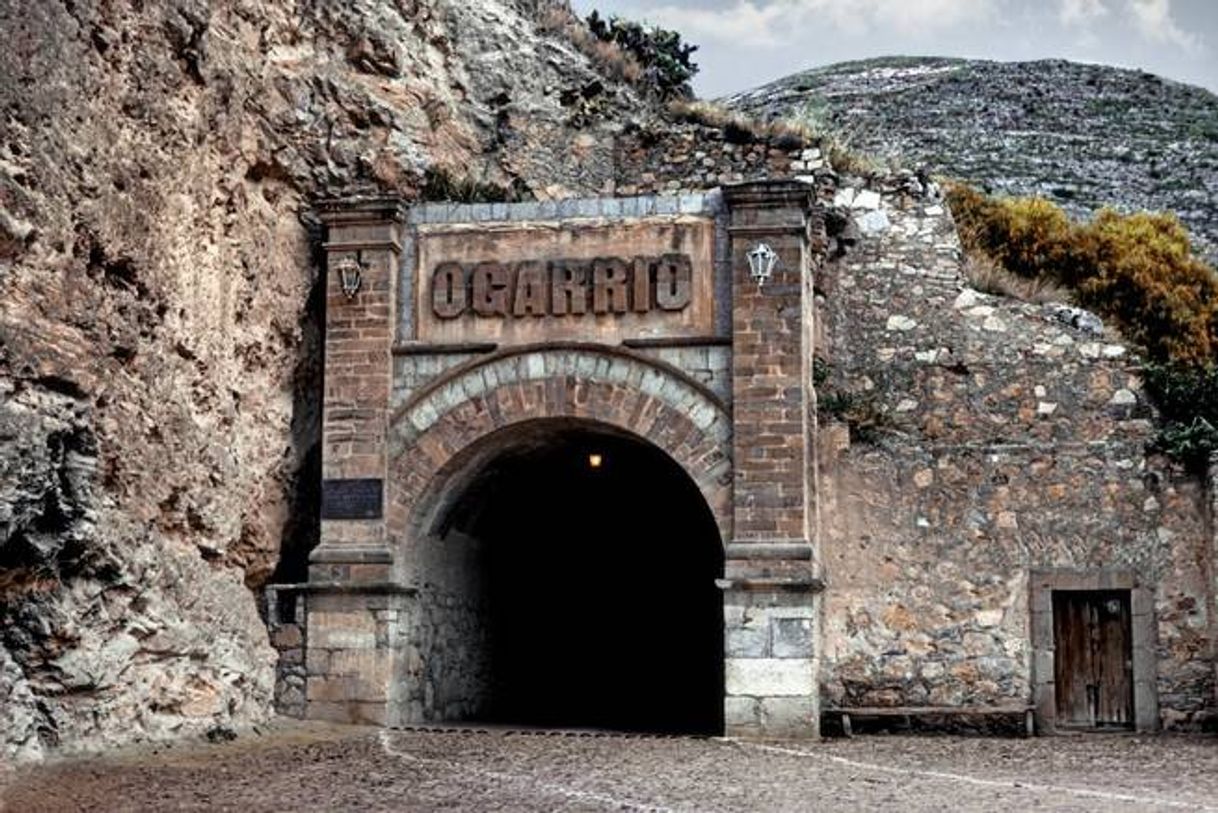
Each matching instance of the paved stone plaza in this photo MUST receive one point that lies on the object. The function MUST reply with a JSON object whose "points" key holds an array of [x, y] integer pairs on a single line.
{"points": [[318, 767]]}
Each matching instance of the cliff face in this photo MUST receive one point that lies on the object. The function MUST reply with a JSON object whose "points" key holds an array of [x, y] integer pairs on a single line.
{"points": [[1083, 135], [159, 367]]}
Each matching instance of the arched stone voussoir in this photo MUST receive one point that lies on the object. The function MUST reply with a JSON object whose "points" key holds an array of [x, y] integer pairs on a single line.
{"points": [[432, 432], [575, 364]]}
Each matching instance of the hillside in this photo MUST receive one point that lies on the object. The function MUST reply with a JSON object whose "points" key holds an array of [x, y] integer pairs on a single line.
{"points": [[159, 354], [1083, 135]]}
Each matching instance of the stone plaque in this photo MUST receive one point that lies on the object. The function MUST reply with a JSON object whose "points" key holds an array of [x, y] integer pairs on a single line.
{"points": [[352, 499], [515, 283]]}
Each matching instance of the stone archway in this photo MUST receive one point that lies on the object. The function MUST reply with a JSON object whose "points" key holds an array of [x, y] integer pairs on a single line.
{"points": [[615, 387], [479, 645], [636, 322]]}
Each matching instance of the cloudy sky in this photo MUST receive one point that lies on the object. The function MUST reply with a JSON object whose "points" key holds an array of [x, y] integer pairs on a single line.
{"points": [[744, 43]]}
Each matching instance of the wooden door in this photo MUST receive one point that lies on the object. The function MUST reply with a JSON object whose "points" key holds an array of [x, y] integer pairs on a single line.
{"points": [[1093, 662]]}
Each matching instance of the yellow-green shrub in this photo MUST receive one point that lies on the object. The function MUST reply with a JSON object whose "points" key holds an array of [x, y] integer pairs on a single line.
{"points": [[1137, 270], [1145, 276], [1026, 236]]}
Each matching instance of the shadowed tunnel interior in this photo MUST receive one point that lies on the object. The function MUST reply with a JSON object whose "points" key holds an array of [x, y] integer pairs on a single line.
{"points": [[597, 556]]}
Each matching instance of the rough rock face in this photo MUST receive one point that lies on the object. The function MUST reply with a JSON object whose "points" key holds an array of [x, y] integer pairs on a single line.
{"points": [[1084, 135], [158, 348]]}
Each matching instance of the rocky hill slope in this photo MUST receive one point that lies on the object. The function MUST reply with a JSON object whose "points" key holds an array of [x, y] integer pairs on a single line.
{"points": [[1083, 135], [158, 304]]}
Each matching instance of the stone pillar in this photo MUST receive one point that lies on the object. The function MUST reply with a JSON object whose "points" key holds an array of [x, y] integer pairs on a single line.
{"points": [[770, 587], [358, 380], [354, 610]]}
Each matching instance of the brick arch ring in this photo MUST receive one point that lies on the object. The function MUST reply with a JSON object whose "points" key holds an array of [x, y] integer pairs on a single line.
{"points": [[439, 436]]}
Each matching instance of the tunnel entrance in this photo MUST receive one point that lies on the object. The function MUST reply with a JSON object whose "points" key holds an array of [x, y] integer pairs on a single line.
{"points": [[573, 581]]}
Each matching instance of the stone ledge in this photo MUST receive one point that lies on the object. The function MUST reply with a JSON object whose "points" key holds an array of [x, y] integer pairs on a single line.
{"points": [[786, 549], [791, 585], [342, 554], [614, 208], [452, 348], [678, 341], [358, 209], [768, 194], [346, 588]]}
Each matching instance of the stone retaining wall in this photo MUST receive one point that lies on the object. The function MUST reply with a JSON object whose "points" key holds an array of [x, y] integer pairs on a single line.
{"points": [[286, 616], [448, 655], [982, 437], [681, 157], [447, 661]]}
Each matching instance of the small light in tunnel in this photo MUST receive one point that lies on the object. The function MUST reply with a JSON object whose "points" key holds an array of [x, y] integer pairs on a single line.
{"points": [[595, 461]]}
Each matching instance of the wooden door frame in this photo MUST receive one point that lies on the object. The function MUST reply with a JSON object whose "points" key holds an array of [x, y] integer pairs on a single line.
{"points": [[1041, 583]]}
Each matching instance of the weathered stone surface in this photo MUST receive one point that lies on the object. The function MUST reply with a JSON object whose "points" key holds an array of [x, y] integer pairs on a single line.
{"points": [[654, 159], [747, 641], [793, 637], [158, 344], [1083, 320], [769, 677], [989, 452], [788, 716]]}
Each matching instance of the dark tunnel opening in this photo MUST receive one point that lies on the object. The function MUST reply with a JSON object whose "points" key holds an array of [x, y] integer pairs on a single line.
{"points": [[597, 558]]}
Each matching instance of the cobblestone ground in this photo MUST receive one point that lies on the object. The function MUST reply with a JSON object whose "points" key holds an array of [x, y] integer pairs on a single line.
{"points": [[308, 767]]}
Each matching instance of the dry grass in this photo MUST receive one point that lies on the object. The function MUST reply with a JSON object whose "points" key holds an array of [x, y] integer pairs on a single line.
{"points": [[740, 129], [838, 144], [988, 277], [849, 161], [557, 20], [606, 56], [808, 129], [788, 134]]}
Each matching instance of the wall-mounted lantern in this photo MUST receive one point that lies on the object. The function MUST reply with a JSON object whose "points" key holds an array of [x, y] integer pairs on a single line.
{"points": [[350, 276], [762, 262]]}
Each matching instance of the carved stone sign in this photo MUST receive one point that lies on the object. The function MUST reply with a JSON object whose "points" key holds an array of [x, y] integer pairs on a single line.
{"points": [[562, 287], [352, 499], [518, 283]]}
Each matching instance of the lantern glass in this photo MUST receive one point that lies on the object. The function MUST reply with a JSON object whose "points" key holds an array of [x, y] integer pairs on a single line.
{"points": [[762, 261], [350, 277]]}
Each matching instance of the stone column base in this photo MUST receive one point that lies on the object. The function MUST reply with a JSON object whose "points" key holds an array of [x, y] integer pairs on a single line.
{"points": [[351, 662], [771, 607]]}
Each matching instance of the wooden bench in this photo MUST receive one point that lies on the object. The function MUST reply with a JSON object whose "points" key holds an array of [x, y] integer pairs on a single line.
{"points": [[909, 712]]}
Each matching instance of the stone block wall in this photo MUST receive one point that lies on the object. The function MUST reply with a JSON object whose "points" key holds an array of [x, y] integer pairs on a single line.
{"points": [[709, 364], [447, 654], [286, 616], [770, 368], [686, 156], [447, 659], [358, 374], [770, 665], [771, 571], [413, 371], [350, 664], [990, 437]]}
